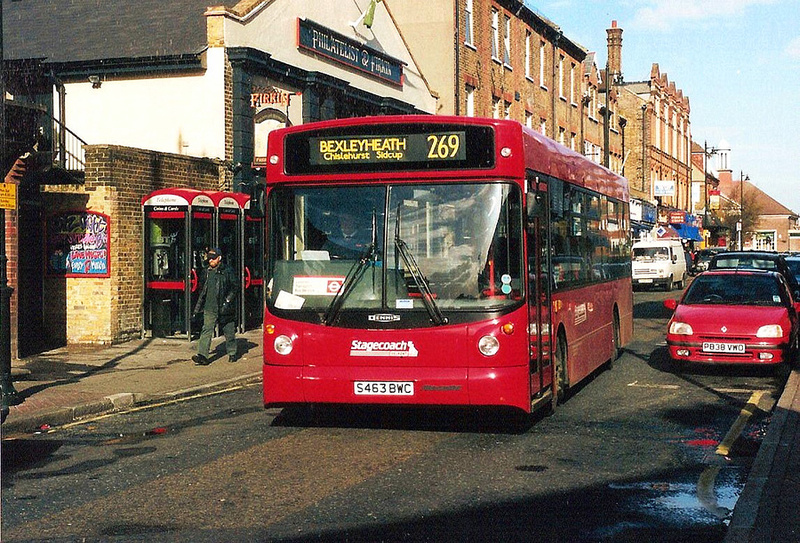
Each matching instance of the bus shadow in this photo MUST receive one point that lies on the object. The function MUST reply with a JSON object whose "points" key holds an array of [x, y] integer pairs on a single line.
{"points": [[410, 418], [651, 310]]}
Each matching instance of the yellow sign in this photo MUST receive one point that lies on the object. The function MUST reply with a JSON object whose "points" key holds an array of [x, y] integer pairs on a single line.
{"points": [[8, 196]]}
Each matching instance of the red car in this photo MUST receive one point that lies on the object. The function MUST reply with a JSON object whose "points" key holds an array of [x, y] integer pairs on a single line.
{"points": [[734, 317]]}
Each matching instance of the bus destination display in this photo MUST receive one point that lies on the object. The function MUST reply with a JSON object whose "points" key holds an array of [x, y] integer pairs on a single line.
{"points": [[375, 149]]}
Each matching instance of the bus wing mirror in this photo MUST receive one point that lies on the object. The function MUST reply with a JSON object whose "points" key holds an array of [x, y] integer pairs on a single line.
{"points": [[258, 203]]}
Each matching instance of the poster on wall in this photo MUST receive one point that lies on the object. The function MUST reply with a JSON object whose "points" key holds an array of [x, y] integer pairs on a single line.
{"points": [[77, 244]]}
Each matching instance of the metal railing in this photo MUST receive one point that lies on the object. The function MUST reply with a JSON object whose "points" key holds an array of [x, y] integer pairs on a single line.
{"points": [[68, 151]]}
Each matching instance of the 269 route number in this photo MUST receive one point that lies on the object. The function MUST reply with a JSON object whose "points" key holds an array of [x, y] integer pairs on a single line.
{"points": [[443, 146]]}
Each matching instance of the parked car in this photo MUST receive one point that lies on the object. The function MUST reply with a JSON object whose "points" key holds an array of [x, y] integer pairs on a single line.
{"points": [[735, 317], [755, 260], [659, 263], [793, 261], [702, 258]]}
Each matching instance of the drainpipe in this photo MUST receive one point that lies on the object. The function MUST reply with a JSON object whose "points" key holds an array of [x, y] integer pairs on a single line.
{"points": [[456, 34]]}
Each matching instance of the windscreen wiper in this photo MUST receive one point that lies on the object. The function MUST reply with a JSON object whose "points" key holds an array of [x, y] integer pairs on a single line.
{"points": [[354, 275], [420, 280]]}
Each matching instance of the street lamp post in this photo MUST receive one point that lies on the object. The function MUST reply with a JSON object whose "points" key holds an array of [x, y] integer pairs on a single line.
{"points": [[742, 179], [9, 394], [708, 152]]}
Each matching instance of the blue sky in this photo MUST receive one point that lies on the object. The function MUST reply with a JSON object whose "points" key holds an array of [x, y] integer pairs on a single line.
{"points": [[738, 61]]}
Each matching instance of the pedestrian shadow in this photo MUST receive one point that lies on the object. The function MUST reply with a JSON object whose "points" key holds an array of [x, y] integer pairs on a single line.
{"points": [[243, 346]]}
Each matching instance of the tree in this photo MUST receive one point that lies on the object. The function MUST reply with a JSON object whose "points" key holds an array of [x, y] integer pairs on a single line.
{"points": [[748, 211]]}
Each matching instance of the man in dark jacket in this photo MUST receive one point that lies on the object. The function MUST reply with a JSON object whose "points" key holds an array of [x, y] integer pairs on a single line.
{"points": [[217, 303]]}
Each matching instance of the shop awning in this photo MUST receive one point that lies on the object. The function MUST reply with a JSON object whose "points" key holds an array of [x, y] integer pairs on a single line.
{"points": [[688, 232]]}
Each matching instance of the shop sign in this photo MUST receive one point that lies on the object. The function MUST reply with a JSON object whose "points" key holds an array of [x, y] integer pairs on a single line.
{"points": [[713, 199], [677, 217], [271, 97], [339, 48], [636, 210], [77, 244], [663, 188]]}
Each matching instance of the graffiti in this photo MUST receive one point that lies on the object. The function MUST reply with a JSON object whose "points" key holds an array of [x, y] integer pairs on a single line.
{"points": [[77, 244]]}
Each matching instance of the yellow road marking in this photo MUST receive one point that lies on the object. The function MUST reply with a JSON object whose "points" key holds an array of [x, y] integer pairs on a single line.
{"points": [[725, 445]]}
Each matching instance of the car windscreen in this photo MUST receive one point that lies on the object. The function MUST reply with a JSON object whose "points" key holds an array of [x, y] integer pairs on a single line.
{"points": [[753, 263], [794, 267], [650, 253], [729, 289]]}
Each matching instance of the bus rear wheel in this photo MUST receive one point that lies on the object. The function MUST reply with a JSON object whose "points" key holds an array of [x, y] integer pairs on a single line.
{"points": [[617, 337]]}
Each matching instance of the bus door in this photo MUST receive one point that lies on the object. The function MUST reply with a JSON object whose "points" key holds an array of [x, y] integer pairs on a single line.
{"points": [[539, 284]]}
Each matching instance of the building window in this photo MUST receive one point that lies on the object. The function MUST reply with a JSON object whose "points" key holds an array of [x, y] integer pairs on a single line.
{"points": [[507, 110], [495, 108], [468, 23], [561, 77], [470, 101], [507, 42], [562, 134], [495, 35], [572, 84], [542, 55], [572, 140], [543, 126], [528, 54], [529, 119], [765, 240]]}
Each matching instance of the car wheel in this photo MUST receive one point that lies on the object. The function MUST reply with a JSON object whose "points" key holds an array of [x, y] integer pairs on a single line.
{"points": [[669, 284]]}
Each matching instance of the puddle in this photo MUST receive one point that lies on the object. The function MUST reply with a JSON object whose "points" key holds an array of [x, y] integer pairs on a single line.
{"points": [[694, 501]]}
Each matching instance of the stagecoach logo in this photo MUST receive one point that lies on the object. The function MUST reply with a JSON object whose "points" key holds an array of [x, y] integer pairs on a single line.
{"points": [[383, 317], [383, 348]]}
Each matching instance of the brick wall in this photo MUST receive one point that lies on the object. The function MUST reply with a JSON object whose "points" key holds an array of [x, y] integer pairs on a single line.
{"points": [[108, 310], [12, 260]]}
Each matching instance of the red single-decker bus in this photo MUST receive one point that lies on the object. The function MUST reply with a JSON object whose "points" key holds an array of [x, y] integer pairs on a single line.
{"points": [[426, 260]]}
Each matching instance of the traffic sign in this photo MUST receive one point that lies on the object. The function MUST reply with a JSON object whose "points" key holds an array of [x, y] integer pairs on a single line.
{"points": [[8, 196]]}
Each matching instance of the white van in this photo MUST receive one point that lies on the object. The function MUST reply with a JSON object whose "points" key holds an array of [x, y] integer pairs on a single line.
{"points": [[661, 262]]}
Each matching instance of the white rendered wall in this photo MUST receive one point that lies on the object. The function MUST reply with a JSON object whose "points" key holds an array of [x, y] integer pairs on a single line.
{"points": [[183, 115]]}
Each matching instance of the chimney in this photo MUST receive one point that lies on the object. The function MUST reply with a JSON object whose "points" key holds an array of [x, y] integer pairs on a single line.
{"points": [[614, 52]]}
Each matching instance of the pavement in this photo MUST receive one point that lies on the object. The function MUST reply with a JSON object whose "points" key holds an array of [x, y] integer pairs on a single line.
{"points": [[73, 383]]}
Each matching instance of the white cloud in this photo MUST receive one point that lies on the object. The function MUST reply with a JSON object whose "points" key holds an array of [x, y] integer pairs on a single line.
{"points": [[793, 49], [664, 14]]}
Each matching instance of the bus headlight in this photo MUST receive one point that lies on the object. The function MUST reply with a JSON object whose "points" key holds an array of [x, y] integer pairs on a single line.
{"points": [[283, 344], [488, 345]]}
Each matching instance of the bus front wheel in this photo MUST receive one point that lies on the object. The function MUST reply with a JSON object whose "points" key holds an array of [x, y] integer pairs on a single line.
{"points": [[560, 370]]}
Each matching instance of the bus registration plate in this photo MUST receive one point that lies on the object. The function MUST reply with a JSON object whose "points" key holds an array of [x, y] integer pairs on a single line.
{"points": [[711, 347], [383, 388]]}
